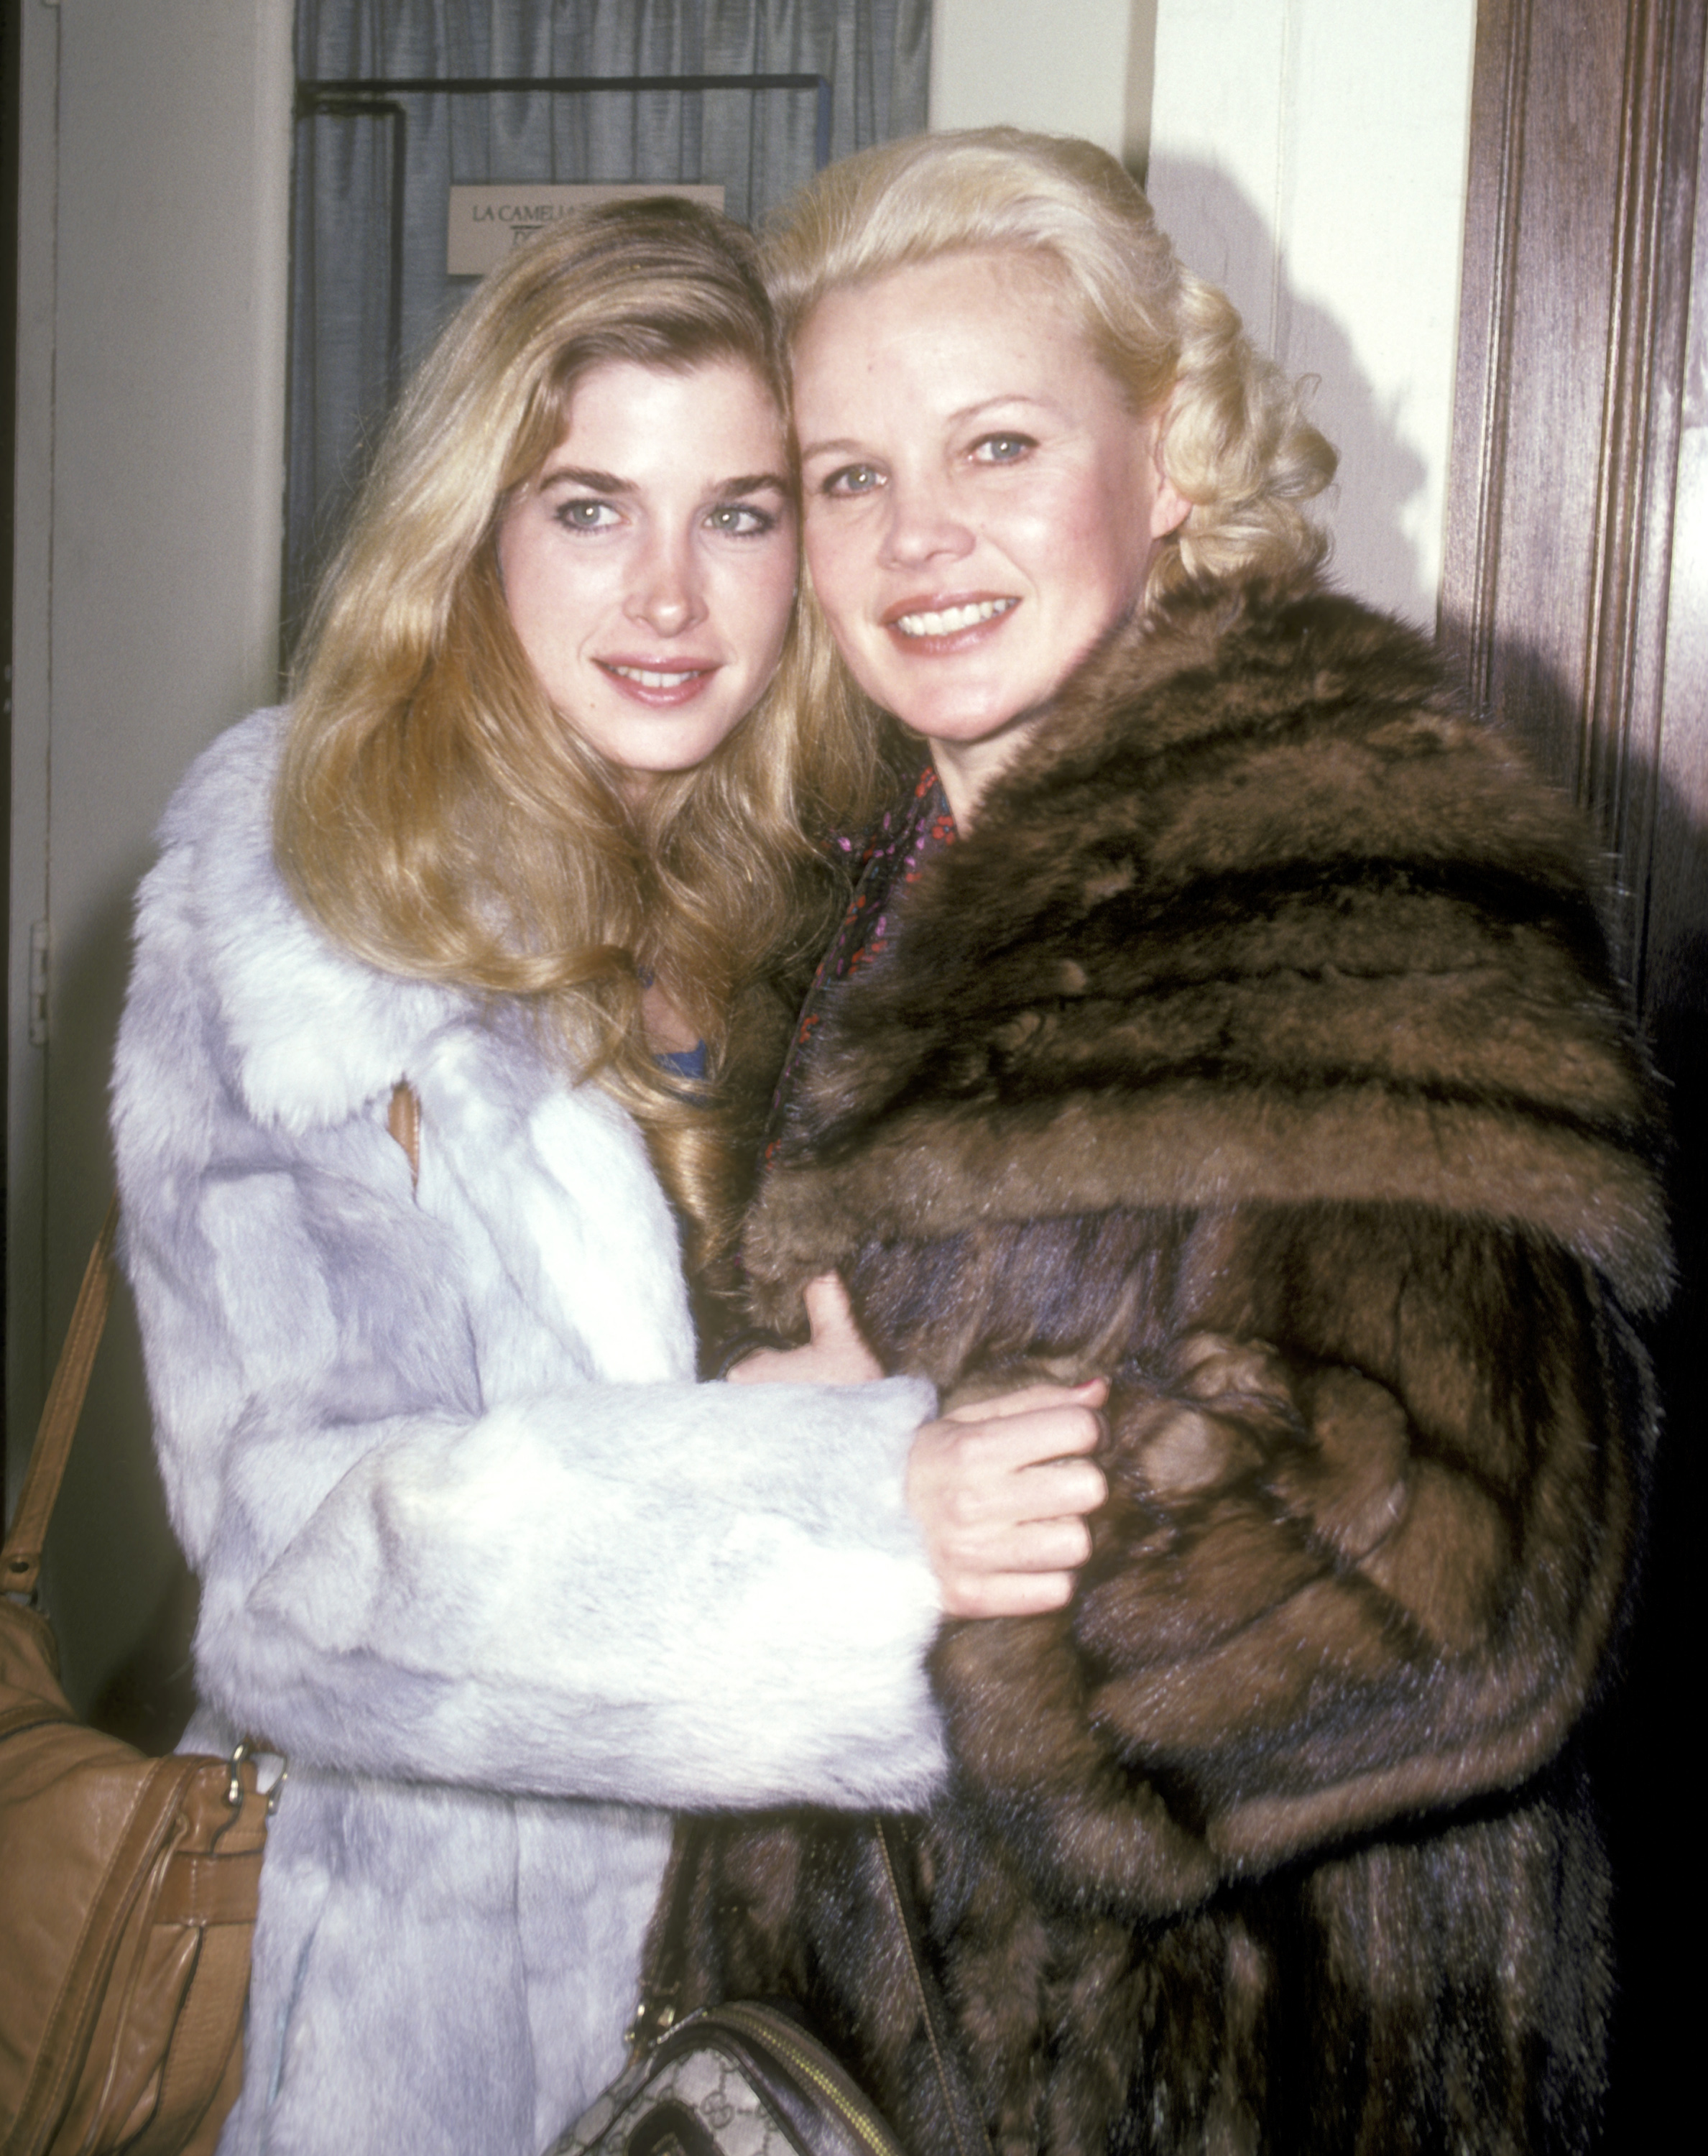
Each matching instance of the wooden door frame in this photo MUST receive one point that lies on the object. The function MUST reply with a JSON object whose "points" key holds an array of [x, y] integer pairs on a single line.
{"points": [[1590, 700], [1585, 255]]}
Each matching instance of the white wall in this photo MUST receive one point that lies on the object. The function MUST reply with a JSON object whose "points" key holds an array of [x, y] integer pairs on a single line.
{"points": [[1083, 69], [1309, 155], [153, 219]]}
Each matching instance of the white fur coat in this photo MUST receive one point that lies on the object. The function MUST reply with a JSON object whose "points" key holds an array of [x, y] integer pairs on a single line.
{"points": [[475, 1552]]}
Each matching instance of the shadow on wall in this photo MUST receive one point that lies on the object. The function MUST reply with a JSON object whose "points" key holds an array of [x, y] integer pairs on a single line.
{"points": [[1220, 236]]}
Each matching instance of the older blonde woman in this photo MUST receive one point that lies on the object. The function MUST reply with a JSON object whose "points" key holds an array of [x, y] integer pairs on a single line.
{"points": [[1224, 1008], [476, 1551]]}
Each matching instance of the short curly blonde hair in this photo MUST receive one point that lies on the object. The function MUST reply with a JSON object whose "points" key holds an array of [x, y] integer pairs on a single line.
{"points": [[1236, 441]]}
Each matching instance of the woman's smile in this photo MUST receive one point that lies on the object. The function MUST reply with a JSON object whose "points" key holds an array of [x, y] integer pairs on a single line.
{"points": [[661, 686], [944, 621]]}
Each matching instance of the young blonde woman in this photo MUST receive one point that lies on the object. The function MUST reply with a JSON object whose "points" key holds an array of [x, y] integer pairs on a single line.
{"points": [[1223, 1009], [476, 1553]]}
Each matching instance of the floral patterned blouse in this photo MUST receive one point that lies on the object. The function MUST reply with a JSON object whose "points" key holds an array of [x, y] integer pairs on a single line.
{"points": [[891, 855]]}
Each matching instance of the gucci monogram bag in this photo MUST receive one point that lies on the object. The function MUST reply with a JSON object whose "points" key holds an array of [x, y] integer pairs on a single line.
{"points": [[743, 2080], [747, 2078]]}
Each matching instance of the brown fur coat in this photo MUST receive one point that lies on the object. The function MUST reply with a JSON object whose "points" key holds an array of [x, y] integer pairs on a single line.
{"points": [[1259, 1047]]}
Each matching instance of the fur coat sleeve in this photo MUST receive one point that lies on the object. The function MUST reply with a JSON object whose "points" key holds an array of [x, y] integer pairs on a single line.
{"points": [[459, 1513]]}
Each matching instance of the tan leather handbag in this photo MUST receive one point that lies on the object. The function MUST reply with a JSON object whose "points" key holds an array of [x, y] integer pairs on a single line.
{"points": [[128, 1885]]}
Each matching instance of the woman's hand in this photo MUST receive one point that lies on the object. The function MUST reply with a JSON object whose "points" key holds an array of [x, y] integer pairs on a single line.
{"points": [[1000, 1488], [835, 1355]]}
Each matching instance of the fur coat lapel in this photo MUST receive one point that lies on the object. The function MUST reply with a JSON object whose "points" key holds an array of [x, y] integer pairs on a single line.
{"points": [[313, 1033], [315, 1038]]}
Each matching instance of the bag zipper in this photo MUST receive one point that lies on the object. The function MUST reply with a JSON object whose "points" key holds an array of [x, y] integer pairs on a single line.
{"points": [[776, 2032]]}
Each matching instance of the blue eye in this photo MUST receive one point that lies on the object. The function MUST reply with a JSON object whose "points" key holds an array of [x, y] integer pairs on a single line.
{"points": [[585, 513], [742, 520], [1002, 449], [851, 479]]}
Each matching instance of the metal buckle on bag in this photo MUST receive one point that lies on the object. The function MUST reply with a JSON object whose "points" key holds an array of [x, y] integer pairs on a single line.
{"points": [[654, 2017], [245, 1748]]}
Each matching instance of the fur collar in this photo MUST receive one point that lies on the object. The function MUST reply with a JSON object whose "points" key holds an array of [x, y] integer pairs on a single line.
{"points": [[1260, 915], [550, 1182], [315, 1032]]}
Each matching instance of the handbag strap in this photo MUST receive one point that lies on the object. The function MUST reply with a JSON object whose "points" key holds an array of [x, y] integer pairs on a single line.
{"points": [[668, 1956], [20, 1559], [966, 2119]]}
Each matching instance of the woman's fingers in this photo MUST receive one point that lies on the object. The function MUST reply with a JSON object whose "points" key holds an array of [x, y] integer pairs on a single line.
{"points": [[1089, 1393], [1000, 1490], [988, 1476], [1008, 1594], [836, 1354], [836, 1336]]}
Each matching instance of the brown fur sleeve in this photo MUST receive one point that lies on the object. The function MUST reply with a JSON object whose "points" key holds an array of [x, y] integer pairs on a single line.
{"points": [[1370, 1509]]}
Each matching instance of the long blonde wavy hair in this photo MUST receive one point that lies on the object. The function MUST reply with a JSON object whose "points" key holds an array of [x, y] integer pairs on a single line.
{"points": [[1236, 441], [440, 820]]}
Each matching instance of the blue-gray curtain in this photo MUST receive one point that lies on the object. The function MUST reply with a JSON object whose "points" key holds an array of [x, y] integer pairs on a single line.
{"points": [[358, 318]]}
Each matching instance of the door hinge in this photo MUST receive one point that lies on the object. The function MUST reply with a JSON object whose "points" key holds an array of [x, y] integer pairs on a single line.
{"points": [[39, 984]]}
